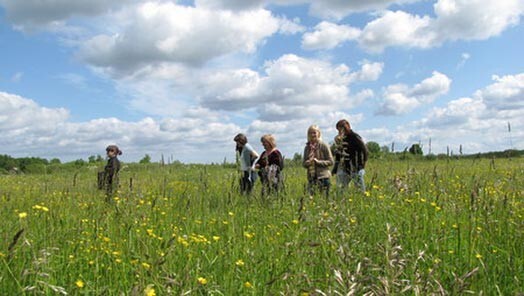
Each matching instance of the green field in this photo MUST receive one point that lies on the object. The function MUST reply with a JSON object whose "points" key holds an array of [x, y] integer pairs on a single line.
{"points": [[447, 227]]}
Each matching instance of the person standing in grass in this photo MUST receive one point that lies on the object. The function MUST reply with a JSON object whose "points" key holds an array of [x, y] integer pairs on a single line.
{"points": [[317, 159], [111, 171], [339, 169], [248, 155], [270, 165], [356, 153]]}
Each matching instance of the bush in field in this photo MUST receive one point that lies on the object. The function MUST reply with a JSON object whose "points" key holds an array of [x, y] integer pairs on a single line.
{"points": [[415, 149], [374, 149]]}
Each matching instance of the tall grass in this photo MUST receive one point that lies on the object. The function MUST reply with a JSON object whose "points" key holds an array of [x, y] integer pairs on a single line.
{"points": [[433, 227]]}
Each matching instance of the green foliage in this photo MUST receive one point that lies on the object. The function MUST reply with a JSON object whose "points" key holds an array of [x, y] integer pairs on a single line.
{"points": [[415, 149], [146, 159], [374, 149]]}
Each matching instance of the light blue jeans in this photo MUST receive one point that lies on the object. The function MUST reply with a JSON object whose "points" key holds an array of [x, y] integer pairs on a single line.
{"points": [[342, 177], [358, 179]]}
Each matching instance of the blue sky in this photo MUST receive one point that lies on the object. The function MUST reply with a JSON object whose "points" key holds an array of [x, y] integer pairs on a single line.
{"points": [[182, 78]]}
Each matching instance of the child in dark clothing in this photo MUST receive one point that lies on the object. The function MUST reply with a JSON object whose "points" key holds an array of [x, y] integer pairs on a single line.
{"points": [[111, 171]]}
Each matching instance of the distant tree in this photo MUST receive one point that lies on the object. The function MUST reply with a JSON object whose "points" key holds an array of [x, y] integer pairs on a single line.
{"points": [[99, 158], [297, 157], [384, 149], [373, 148], [79, 162], [415, 149], [7, 162], [91, 159], [55, 161], [146, 159]]}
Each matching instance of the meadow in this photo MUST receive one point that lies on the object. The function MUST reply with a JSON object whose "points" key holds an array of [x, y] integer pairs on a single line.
{"points": [[440, 227]]}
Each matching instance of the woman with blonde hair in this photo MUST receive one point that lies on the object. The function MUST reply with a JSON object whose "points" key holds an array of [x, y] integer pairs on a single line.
{"points": [[270, 165], [317, 159]]}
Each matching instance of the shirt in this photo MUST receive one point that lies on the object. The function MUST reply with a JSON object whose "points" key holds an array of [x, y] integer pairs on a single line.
{"points": [[245, 157]]}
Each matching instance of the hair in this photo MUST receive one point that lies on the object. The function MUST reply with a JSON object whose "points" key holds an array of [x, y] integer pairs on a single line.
{"points": [[241, 138], [269, 139], [313, 128], [114, 148], [345, 125]]}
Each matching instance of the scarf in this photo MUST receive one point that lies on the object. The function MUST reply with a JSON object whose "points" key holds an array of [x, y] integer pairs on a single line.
{"points": [[313, 149]]}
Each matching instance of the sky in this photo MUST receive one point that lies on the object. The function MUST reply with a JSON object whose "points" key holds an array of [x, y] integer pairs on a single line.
{"points": [[182, 78]]}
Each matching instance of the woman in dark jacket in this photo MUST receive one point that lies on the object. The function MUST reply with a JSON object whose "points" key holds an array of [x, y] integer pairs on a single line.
{"points": [[270, 165]]}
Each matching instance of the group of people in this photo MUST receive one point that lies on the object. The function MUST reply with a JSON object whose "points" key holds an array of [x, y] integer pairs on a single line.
{"points": [[349, 161]]}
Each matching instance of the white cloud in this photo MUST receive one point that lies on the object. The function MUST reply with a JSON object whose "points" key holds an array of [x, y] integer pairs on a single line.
{"points": [[401, 99], [370, 71], [475, 19], [292, 87], [290, 27], [166, 32], [30, 129], [478, 123], [454, 20], [328, 35], [18, 115], [507, 93], [397, 29]]}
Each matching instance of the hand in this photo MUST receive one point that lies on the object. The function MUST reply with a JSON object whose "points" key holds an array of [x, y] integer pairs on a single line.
{"points": [[316, 160], [307, 162]]}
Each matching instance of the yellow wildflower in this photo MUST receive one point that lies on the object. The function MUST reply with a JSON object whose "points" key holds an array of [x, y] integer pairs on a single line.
{"points": [[22, 215], [202, 280], [239, 262], [149, 291], [79, 284], [248, 285], [478, 256]]}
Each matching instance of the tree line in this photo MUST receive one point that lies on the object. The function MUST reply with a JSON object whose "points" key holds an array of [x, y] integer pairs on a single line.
{"points": [[9, 164]]}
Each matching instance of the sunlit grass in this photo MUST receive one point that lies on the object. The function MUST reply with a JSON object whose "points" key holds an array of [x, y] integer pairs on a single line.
{"points": [[433, 227]]}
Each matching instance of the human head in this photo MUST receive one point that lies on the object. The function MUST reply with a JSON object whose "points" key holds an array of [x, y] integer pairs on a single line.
{"points": [[240, 139], [268, 141], [344, 126], [313, 134], [113, 150]]}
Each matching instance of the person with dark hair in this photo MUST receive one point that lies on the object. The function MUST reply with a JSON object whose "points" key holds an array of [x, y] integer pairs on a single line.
{"points": [[317, 159], [339, 169], [111, 171], [355, 152], [270, 165], [248, 155]]}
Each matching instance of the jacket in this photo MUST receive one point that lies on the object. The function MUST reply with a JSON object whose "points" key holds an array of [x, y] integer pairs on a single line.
{"points": [[325, 158]]}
